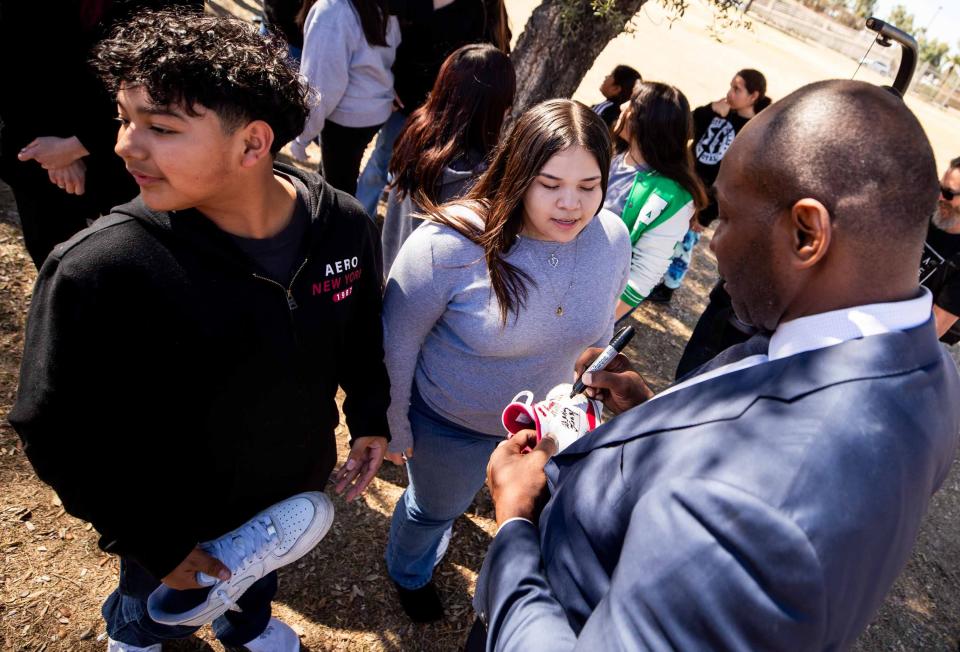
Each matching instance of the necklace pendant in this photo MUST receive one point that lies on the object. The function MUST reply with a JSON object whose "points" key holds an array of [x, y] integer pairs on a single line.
{"points": [[559, 311], [553, 260]]}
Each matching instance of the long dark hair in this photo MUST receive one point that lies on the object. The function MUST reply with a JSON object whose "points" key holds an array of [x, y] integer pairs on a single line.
{"points": [[372, 14], [661, 126], [463, 113], [496, 24], [755, 82], [541, 132]]}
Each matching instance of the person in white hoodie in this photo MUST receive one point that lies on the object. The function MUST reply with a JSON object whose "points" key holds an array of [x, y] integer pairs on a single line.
{"points": [[348, 50]]}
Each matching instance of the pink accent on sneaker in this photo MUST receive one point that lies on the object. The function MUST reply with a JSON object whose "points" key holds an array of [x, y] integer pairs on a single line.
{"points": [[559, 416]]}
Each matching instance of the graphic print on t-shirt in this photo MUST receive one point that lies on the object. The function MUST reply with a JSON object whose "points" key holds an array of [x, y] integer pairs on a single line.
{"points": [[930, 262], [715, 141]]}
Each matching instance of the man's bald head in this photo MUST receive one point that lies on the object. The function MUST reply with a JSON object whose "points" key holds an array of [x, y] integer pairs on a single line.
{"points": [[824, 200], [857, 149]]}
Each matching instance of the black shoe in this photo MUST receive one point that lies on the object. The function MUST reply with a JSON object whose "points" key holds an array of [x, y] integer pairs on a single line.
{"points": [[660, 294], [421, 605]]}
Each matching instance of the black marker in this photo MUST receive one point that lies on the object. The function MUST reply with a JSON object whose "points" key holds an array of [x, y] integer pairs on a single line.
{"points": [[619, 342]]}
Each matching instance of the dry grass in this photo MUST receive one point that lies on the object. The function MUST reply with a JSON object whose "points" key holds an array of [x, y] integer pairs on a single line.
{"points": [[53, 577]]}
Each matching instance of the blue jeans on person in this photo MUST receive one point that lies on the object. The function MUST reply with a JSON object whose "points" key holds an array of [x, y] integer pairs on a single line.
{"points": [[680, 264], [374, 178], [125, 611], [448, 467]]}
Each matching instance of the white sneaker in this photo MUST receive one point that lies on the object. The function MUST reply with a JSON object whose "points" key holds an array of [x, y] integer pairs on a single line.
{"points": [[558, 416], [117, 646], [276, 537], [277, 637]]}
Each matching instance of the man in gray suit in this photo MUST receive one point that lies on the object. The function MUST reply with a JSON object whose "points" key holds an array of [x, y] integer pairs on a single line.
{"points": [[769, 500]]}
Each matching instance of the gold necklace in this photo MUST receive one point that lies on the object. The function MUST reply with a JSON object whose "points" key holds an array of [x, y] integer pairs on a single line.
{"points": [[554, 261]]}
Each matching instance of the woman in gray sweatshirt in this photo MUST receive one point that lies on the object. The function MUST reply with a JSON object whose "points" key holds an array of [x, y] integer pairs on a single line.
{"points": [[348, 49], [444, 145], [499, 292]]}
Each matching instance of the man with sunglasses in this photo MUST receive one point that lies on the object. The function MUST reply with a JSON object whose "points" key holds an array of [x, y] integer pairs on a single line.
{"points": [[940, 265]]}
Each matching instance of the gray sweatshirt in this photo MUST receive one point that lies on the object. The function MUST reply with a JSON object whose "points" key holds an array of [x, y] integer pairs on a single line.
{"points": [[400, 221], [352, 77], [442, 322]]}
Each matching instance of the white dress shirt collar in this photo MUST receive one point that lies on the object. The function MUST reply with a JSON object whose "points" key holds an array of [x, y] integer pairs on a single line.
{"points": [[829, 328]]}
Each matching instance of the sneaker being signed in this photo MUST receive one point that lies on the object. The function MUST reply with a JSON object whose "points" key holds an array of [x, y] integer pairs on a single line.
{"points": [[276, 537], [560, 417]]}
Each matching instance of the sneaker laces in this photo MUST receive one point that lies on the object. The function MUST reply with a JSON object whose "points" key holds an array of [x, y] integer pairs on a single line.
{"points": [[251, 542]]}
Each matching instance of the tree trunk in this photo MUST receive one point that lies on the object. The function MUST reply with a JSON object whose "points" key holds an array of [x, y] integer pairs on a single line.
{"points": [[559, 45]]}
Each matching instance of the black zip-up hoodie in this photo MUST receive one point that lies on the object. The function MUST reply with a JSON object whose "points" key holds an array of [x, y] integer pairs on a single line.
{"points": [[168, 394]]}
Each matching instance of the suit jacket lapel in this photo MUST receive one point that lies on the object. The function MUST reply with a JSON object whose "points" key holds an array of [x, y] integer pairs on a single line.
{"points": [[727, 397]]}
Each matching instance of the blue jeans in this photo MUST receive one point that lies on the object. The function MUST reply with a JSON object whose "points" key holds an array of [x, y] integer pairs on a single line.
{"points": [[448, 467], [680, 264], [125, 612], [373, 179]]}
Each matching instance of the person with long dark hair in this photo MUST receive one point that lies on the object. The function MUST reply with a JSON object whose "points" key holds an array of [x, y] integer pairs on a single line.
{"points": [[348, 50], [445, 144], [718, 327], [501, 289], [428, 38], [653, 186], [714, 125]]}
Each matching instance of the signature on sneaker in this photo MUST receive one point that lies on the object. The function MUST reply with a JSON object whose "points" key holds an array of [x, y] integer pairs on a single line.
{"points": [[558, 416]]}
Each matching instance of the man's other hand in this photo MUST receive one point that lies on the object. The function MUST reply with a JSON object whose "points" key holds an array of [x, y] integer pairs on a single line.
{"points": [[516, 479], [619, 387], [364, 461]]}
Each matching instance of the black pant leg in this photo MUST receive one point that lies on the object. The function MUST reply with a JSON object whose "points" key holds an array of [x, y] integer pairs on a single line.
{"points": [[342, 150], [477, 638], [713, 334]]}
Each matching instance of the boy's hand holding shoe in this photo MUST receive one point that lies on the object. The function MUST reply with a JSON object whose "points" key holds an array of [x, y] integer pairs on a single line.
{"points": [[184, 576], [364, 461]]}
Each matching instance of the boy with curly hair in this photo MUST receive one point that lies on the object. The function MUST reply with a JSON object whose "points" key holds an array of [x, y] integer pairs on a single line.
{"points": [[183, 354]]}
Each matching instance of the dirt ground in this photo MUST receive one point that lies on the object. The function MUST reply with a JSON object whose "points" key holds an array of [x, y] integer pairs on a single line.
{"points": [[53, 577]]}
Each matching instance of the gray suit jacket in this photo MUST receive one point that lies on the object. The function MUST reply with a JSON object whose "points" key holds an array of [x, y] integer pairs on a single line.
{"points": [[767, 509]]}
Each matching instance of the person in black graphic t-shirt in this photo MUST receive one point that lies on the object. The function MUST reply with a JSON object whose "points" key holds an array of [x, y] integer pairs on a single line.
{"points": [[716, 124], [940, 265]]}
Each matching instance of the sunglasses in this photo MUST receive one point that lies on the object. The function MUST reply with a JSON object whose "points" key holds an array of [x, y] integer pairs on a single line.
{"points": [[948, 194]]}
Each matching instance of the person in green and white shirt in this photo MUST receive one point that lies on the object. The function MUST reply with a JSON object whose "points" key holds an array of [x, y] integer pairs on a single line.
{"points": [[653, 186]]}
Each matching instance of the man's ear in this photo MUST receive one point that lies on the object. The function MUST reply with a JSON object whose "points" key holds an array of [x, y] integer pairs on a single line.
{"points": [[257, 141], [812, 232]]}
